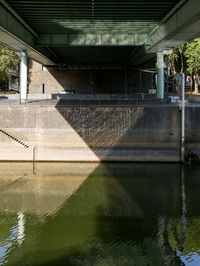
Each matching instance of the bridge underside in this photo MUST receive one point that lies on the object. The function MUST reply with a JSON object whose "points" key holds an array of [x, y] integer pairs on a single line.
{"points": [[97, 31]]}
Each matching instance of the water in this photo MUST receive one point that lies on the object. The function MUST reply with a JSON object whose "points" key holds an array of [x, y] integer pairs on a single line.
{"points": [[99, 214]]}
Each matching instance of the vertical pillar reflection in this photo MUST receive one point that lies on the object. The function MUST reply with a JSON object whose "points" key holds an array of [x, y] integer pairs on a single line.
{"points": [[20, 227], [184, 209]]}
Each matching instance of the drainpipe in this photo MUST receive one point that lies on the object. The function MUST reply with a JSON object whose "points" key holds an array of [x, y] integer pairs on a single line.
{"points": [[183, 120], [160, 75], [23, 76]]}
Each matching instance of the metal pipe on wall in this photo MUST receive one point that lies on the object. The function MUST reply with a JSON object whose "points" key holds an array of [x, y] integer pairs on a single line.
{"points": [[183, 119]]}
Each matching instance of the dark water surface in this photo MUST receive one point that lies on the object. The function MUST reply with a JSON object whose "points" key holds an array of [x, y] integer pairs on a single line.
{"points": [[99, 214]]}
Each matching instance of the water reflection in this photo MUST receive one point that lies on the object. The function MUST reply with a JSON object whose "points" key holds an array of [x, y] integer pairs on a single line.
{"points": [[99, 214], [42, 191]]}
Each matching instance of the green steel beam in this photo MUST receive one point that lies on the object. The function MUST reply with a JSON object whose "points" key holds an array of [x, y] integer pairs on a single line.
{"points": [[182, 26], [93, 54], [93, 16], [90, 39], [89, 27], [17, 36], [41, 55], [11, 24], [14, 13], [154, 24], [94, 60]]}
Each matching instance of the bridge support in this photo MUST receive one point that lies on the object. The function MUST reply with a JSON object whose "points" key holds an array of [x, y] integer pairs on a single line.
{"points": [[23, 76], [160, 75]]}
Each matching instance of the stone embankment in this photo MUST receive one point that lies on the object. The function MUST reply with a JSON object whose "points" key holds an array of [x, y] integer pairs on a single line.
{"points": [[89, 133]]}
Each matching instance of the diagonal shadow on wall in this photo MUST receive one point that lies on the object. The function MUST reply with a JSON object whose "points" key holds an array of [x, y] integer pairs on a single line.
{"points": [[132, 192], [125, 133]]}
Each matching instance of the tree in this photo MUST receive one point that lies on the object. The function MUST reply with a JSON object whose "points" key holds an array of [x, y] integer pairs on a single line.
{"points": [[177, 60], [192, 54], [8, 60], [173, 61], [186, 58]]}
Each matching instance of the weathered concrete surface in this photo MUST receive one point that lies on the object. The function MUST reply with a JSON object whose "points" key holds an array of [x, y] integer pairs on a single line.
{"points": [[126, 133]]}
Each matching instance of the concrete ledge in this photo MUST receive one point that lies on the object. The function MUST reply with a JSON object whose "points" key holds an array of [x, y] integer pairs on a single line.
{"points": [[16, 154], [81, 96], [193, 98], [81, 155]]}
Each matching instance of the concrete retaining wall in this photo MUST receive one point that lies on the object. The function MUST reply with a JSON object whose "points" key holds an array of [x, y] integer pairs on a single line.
{"points": [[60, 133]]}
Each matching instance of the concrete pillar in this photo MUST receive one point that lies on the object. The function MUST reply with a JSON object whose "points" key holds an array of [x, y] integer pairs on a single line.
{"points": [[160, 75], [23, 76]]}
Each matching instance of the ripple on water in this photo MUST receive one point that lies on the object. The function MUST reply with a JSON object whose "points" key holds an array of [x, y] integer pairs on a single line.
{"points": [[109, 214]]}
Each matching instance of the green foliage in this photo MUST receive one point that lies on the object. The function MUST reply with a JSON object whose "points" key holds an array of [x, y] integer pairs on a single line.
{"points": [[8, 61], [191, 242], [192, 54], [186, 58], [177, 60]]}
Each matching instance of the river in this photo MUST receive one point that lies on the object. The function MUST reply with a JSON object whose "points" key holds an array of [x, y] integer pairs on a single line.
{"points": [[99, 214]]}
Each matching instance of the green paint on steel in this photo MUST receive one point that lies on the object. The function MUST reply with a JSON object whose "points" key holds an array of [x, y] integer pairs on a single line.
{"points": [[65, 24], [90, 39], [106, 54], [103, 54], [93, 16]]}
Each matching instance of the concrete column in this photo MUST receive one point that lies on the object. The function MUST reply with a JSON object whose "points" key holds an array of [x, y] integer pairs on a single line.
{"points": [[160, 75], [23, 76]]}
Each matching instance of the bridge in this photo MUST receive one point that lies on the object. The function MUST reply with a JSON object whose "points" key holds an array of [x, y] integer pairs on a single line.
{"points": [[97, 31]]}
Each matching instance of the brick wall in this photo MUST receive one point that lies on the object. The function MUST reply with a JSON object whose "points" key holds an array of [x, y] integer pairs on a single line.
{"points": [[140, 82], [88, 81], [82, 81]]}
